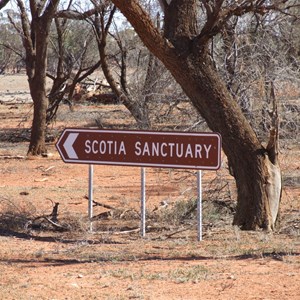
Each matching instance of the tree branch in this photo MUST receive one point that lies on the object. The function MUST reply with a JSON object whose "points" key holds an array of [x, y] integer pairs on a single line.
{"points": [[7, 46], [76, 15], [26, 30], [212, 16], [46, 9], [217, 16], [3, 3], [147, 31], [110, 19]]}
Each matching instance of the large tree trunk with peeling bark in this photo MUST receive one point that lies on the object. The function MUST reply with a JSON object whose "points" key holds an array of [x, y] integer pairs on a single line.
{"points": [[254, 167], [184, 51]]}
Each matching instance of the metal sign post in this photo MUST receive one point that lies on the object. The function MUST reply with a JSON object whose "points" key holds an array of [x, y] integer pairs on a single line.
{"points": [[187, 150], [90, 206], [143, 202], [199, 205]]}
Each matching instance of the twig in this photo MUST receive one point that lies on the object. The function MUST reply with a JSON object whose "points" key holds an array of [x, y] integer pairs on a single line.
{"points": [[12, 157], [55, 224], [177, 231], [128, 231], [95, 203], [48, 169]]}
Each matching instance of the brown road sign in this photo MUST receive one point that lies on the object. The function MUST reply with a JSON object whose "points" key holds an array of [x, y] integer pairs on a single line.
{"points": [[188, 150]]}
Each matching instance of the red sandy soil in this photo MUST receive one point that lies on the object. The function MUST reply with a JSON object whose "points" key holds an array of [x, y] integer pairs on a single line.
{"points": [[113, 261]]}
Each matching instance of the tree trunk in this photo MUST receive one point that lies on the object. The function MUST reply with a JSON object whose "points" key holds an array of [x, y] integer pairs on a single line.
{"points": [[256, 172], [138, 110], [37, 86], [185, 55], [37, 141], [35, 35]]}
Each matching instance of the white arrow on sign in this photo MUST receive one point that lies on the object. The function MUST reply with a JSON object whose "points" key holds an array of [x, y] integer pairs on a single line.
{"points": [[68, 145]]}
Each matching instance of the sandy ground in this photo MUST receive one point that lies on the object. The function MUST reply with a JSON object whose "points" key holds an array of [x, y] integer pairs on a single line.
{"points": [[113, 261]]}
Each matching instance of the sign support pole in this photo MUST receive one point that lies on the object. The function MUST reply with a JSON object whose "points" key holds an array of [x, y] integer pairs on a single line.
{"points": [[199, 205], [90, 207], [128, 148], [143, 202]]}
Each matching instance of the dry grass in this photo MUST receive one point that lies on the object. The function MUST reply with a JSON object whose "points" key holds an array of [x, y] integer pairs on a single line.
{"points": [[115, 260]]}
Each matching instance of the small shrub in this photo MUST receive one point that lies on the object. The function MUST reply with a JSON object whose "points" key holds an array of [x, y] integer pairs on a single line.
{"points": [[186, 210], [191, 274], [182, 211], [15, 218]]}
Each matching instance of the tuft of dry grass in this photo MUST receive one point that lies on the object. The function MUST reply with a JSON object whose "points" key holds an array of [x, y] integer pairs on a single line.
{"points": [[15, 217]]}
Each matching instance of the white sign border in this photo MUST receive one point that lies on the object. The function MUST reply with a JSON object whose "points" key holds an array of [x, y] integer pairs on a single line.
{"points": [[153, 165]]}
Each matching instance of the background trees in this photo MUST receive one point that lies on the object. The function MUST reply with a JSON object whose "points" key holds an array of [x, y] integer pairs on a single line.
{"points": [[33, 25], [253, 53], [71, 57], [34, 33], [138, 77], [11, 49]]}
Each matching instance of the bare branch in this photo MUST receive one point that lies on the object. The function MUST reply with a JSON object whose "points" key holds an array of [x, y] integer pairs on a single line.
{"points": [[213, 13], [217, 16], [76, 15], [145, 28], [110, 19], [12, 22], [3, 3], [7, 46], [26, 29]]}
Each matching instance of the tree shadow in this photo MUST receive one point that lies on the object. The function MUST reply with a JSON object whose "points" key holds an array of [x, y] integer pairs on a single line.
{"points": [[45, 262], [118, 257], [51, 239]]}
